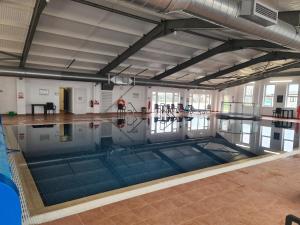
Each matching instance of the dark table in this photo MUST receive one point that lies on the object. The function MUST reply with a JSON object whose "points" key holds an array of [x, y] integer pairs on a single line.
{"points": [[39, 105], [288, 112]]}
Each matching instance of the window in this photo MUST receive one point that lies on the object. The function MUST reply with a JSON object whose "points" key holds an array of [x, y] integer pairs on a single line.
{"points": [[224, 125], [169, 98], [292, 96], [246, 131], [154, 97], [158, 128], [195, 101], [161, 98], [176, 99], [248, 94], [288, 140], [226, 106], [200, 101], [165, 98], [266, 136], [269, 95], [198, 124]]}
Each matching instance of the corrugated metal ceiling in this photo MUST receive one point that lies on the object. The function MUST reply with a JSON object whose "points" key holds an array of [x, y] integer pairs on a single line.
{"points": [[93, 37]]}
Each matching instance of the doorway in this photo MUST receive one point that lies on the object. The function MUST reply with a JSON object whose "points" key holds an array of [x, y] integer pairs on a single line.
{"points": [[65, 100]]}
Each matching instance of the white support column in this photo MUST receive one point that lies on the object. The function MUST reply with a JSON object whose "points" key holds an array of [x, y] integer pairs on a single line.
{"points": [[21, 96]]}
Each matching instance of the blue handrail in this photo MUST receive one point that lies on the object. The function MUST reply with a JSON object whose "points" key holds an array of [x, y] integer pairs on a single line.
{"points": [[10, 207]]}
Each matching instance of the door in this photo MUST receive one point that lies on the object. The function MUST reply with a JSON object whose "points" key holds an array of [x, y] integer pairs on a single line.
{"points": [[66, 100]]}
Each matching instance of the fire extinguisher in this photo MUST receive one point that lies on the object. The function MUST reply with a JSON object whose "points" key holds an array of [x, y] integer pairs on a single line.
{"points": [[91, 103], [298, 112]]}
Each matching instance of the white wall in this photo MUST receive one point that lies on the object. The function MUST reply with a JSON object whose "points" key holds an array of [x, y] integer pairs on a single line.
{"points": [[237, 93], [136, 95], [82, 93], [8, 95]]}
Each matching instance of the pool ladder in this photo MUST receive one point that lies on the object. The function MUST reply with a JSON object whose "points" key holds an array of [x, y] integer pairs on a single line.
{"points": [[133, 110]]}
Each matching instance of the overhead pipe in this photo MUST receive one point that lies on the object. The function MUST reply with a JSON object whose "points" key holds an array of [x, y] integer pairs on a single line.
{"points": [[87, 77], [226, 13]]}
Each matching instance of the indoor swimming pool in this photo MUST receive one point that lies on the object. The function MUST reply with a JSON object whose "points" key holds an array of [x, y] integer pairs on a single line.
{"points": [[76, 160]]}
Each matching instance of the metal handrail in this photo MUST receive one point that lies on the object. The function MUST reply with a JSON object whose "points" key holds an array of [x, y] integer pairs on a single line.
{"points": [[290, 219], [129, 103]]}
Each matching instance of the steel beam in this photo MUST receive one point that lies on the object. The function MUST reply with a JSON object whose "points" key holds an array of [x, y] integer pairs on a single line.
{"points": [[8, 59], [274, 72], [162, 29], [10, 54], [37, 11], [75, 76], [265, 58], [210, 53], [228, 46], [156, 32]]}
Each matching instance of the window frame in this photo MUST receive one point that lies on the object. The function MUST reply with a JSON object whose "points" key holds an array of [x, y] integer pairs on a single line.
{"points": [[204, 96], [265, 136], [288, 95], [268, 96], [248, 96]]}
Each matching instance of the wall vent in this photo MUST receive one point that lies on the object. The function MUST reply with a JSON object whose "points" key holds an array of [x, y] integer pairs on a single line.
{"points": [[258, 13]]}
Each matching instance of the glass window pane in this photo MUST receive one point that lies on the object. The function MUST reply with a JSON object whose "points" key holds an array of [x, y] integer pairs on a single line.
{"points": [[266, 142], [224, 125], [246, 128], [266, 131], [268, 101], [153, 100], [249, 91], [161, 98], [292, 96], [270, 90], [202, 102], [208, 101], [169, 98], [289, 134], [288, 146], [176, 99], [194, 124], [246, 138], [196, 100], [293, 89]]}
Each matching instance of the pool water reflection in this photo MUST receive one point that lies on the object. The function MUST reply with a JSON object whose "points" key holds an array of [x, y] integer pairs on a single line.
{"points": [[71, 161]]}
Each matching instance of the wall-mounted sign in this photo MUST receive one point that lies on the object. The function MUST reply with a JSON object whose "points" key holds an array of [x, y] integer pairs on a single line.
{"points": [[279, 98], [20, 95], [135, 95], [44, 92]]}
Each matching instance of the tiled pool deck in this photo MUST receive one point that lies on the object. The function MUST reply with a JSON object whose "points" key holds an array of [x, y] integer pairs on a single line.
{"points": [[259, 195]]}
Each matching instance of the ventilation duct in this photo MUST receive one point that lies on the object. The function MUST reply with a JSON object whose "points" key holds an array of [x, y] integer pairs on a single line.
{"points": [[258, 13], [226, 13], [57, 75]]}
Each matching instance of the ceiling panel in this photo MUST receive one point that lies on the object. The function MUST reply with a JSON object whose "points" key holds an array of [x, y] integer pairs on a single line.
{"points": [[15, 18]]}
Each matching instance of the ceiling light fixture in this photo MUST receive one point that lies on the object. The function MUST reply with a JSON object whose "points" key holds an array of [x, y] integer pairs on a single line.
{"points": [[280, 81]]}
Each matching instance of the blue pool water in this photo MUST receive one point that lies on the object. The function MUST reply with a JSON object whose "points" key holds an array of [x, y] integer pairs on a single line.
{"points": [[71, 161]]}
